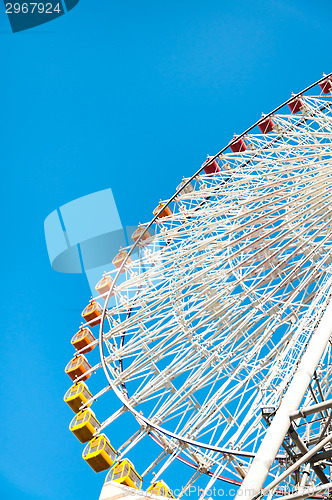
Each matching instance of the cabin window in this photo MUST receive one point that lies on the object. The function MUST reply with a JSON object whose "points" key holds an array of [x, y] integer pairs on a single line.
{"points": [[84, 391], [109, 476], [79, 419], [93, 421], [117, 475], [134, 477], [75, 337], [93, 449], [108, 449]]}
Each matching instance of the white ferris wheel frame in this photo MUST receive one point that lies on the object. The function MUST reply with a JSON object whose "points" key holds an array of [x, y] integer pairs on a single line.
{"points": [[154, 429], [138, 415]]}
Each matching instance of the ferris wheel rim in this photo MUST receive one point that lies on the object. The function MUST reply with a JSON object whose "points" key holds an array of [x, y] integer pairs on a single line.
{"points": [[125, 402]]}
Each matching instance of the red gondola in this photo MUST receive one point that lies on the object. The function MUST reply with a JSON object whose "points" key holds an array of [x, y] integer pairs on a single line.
{"points": [[295, 105], [266, 126], [212, 168], [238, 146], [326, 86]]}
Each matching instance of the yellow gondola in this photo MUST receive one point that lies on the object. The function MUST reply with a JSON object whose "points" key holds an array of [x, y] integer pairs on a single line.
{"points": [[99, 453], [77, 395], [160, 488], [124, 472], [84, 425]]}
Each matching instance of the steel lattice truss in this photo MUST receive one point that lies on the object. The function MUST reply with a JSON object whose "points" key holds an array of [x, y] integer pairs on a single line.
{"points": [[209, 321]]}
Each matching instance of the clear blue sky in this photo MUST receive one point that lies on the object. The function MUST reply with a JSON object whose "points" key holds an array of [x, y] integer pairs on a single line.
{"points": [[128, 95]]}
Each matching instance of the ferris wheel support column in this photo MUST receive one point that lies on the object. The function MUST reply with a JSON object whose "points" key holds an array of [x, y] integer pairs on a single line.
{"points": [[275, 434]]}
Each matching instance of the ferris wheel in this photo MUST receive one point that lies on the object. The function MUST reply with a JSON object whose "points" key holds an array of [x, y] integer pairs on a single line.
{"points": [[213, 331]]}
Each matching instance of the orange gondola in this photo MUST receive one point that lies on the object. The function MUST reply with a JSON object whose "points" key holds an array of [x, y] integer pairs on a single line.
{"points": [[104, 285], [139, 231], [165, 211], [77, 367], [92, 313], [83, 339], [120, 258]]}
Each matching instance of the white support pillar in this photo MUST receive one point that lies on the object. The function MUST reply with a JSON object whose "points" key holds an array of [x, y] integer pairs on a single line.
{"points": [[275, 434], [113, 490]]}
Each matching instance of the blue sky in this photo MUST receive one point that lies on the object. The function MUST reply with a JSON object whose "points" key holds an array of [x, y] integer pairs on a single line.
{"points": [[128, 95]]}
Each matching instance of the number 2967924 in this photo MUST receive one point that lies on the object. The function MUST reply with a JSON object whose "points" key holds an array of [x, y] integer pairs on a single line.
{"points": [[32, 8]]}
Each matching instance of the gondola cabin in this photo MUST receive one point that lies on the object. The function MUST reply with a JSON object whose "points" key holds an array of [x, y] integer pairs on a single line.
{"points": [[326, 86], [139, 231], [84, 425], [295, 105], [77, 395], [120, 258], [238, 146], [103, 286], [77, 367], [266, 126], [160, 488], [212, 168], [163, 209], [189, 188], [92, 313], [99, 453], [83, 340], [124, 472]]}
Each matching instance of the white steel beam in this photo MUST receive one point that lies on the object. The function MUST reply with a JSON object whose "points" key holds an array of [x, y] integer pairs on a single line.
{"points": [[275, 434]]}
